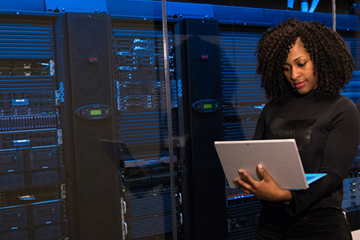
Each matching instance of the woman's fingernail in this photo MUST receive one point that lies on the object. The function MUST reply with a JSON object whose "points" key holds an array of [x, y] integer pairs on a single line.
{"points": [[260, 166]]}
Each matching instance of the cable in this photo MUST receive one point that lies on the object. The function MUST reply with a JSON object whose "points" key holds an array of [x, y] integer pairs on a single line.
{"points": [[313, 5], [47, 65], [290, 4], [304, 5]]}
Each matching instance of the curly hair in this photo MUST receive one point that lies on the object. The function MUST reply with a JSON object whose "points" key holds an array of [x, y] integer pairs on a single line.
{"points": [[331, 58]]}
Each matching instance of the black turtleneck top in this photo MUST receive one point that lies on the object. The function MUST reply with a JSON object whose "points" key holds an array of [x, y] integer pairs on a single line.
{"points": [[327, 134]]}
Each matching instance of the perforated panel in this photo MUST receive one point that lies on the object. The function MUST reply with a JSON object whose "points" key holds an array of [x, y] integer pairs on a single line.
{"points": [[242, 97], [26, 41]]}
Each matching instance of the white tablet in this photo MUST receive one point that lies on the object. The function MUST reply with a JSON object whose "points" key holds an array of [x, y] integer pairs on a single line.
{"points": [[280, 157]]}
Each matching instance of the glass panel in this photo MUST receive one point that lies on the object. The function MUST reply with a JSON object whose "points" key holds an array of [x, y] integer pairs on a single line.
{"points": [[108, 118], [149, 172], [235, 27]]}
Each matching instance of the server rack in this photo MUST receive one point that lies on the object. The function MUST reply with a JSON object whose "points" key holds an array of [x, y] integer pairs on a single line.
{"points": [[32, 175], [142, 131]]}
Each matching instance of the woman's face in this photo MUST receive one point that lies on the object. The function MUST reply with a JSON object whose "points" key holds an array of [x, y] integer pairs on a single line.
{"points": [[299, 69]]}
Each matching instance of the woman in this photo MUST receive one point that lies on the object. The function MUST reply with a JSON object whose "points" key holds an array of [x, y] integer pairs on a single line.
{"points": [[303, 68]]}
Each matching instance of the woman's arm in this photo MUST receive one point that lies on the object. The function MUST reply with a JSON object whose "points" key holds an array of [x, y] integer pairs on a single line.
{"points": [[338, 156]]}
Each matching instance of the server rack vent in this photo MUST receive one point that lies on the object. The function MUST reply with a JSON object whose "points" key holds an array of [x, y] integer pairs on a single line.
{"points": [[353, 88], [150, 205], [353, 44], [238, 66], [151, 226], [242, 96], [26, 41]]}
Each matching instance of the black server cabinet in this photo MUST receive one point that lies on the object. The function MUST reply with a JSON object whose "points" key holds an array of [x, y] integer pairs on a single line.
{"points": [[87, 112], [32, 180], [200, 126]]}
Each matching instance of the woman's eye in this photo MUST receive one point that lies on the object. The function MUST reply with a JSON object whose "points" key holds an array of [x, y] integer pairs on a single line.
{"points": [[286, 69], [302, 64]]}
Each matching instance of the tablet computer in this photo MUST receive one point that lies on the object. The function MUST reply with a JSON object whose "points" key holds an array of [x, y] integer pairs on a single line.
{"points": [[280, 158]]}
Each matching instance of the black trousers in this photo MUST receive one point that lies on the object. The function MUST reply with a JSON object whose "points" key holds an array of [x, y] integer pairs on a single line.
{"points": [[321, 224]]}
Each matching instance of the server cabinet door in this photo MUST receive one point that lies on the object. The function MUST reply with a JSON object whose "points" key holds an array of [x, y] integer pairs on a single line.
{"points": [[85, 73]]}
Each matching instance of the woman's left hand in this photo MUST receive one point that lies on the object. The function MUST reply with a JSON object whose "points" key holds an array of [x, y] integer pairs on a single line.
{"points": [[265, 189]]}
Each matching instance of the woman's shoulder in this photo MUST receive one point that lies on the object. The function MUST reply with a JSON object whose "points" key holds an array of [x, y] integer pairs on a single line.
{"points": [[341, 100], [344, 106]]}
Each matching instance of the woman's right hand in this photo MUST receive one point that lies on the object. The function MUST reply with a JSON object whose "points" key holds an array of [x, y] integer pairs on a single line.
{"points": [[265, 189]]}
